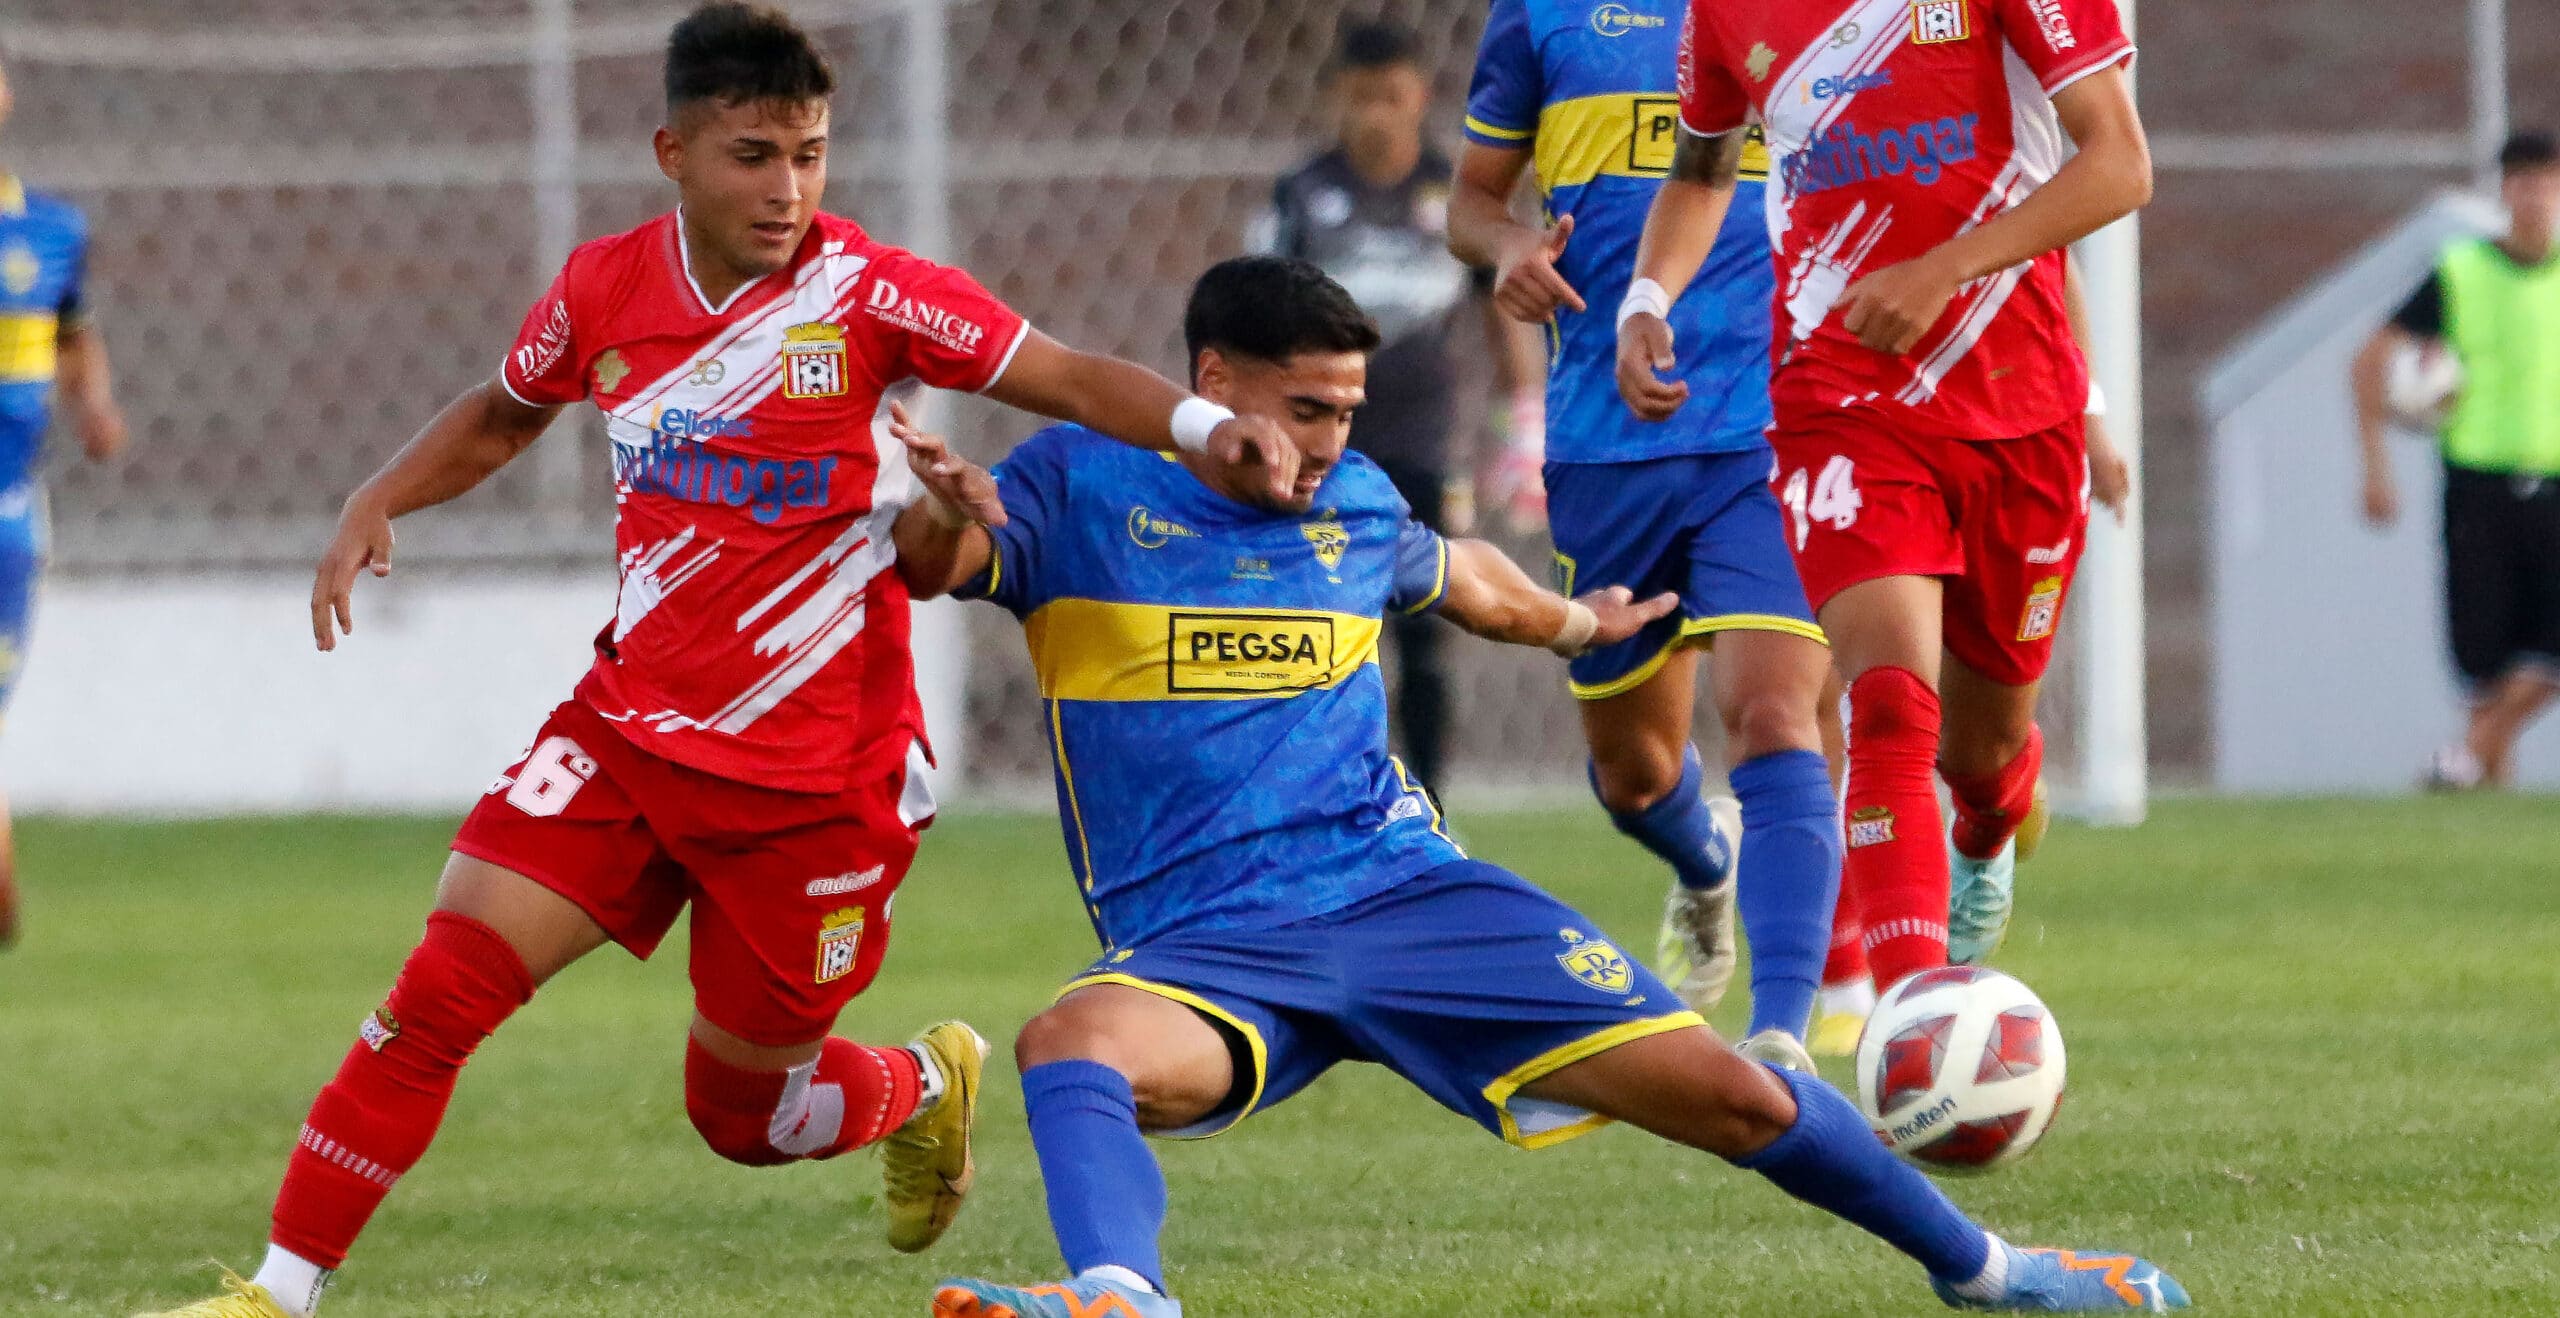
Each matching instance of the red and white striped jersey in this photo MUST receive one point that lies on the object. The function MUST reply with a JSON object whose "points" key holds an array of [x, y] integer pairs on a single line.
{"points": [[761, 634], [1893, 126]]}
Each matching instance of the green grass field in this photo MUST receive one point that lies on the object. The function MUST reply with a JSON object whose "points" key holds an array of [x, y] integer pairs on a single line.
{"points": [[2315, 1070]]}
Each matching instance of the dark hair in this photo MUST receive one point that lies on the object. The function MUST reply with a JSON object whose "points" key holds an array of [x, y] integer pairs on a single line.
{"points": [[1377, 44], [737, 53], [2528, 150], [1272, 308]]}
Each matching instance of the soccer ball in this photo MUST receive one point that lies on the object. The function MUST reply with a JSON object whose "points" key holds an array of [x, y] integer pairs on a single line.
{"points": [[2421, 385], [1960, 1069]]}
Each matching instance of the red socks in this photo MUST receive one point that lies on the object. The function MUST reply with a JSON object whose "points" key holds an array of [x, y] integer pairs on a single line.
{"points": [[1847, 962], [1990, 808], [1896, 865], [850, 1096], [374, 1120]]}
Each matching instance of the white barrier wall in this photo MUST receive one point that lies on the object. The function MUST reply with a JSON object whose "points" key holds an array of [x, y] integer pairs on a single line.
{"points": [[206, 696]]}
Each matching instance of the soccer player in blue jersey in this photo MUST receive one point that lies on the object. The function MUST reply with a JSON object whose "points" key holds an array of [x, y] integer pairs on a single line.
{"points": [[46, 342], [1274, 896], [1582, 95]]}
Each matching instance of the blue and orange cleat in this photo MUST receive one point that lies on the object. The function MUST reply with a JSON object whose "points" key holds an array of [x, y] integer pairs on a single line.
{"points": [[1083, 1297], [2066, 1281]]}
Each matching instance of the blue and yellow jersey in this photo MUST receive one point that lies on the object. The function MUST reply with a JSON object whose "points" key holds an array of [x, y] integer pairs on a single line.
{"points": [[1210, 676], [44, 246], [1590, 89]]}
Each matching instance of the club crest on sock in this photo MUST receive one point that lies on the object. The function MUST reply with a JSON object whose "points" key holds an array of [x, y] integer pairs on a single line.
{"points": [[1870, 825], [379, 1029]]}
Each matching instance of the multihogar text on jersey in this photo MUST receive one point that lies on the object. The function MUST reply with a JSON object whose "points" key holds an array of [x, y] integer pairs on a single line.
{"points": [[697, 473], [1845, 156]]}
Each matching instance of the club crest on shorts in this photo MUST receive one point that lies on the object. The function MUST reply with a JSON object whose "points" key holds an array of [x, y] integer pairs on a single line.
{"points": [[1595, 962], [1870, 825], [839, 944], [813, 361], [2044, 605], [379, 1029]]}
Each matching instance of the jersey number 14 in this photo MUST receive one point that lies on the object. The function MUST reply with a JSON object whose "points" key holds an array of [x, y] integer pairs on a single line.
{"points": [[1835, 498]]}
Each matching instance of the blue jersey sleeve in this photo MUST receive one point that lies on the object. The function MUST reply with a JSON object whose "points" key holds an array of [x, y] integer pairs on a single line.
{"points": [[1508, 90], [1422, 569], [1033, 482]]}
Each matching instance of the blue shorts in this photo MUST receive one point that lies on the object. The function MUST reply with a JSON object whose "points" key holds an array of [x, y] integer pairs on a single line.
{"points": [[1703, 525], [1466, 980], [22, 551]]}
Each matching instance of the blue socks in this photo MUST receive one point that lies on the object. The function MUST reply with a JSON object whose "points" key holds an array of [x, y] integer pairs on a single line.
{"points": [[1790, 881], [1831, 1160], [1679, 829], [1106, 1194]]}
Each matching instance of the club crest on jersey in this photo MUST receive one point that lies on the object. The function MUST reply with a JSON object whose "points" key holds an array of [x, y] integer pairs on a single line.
{"points": [[2044, 606], [813, 361], [610, 370], [1870, 826], [1596, 963], [1328, 539], [19, 270], [1936, 22], [839, 944], [379, 1029]]}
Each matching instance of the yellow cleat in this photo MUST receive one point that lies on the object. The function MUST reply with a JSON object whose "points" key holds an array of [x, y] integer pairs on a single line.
{"points": [[2031, 830], [247, 1299], [926, 1163], [1835, 1033]]}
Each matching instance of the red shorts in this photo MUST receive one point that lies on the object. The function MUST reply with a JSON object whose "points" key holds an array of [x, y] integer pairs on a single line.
{"points": [[790, 890], [2003, 522]]}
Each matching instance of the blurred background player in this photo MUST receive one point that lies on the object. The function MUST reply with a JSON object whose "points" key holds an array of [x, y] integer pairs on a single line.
{"points": [[47, 343], [1251, 944], [1584, 98], [748, 741], [2494, 305], [1373, 212], [1928, 401]]}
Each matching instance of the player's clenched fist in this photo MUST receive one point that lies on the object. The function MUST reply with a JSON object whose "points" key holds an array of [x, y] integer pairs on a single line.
{"points": [[1644, 354], [362, 542], [1525, 283], [1891, 309], [1258, 441]]}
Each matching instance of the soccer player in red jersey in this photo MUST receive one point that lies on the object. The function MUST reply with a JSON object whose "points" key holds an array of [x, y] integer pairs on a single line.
{"points": [[1929, 398], [748, 738]]}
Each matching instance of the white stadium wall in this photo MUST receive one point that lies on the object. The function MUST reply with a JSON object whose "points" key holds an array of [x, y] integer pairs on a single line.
{"points": [[205, 696], [2331, 672]]}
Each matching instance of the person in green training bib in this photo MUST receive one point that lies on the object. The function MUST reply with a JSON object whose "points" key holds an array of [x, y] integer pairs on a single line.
{"points": [[2494, 305]]}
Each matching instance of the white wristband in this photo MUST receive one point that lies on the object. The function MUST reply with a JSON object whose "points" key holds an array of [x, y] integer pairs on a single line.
{"points": [[1644, 298], [1193, 419], [2097, 400], [1575, 636]]}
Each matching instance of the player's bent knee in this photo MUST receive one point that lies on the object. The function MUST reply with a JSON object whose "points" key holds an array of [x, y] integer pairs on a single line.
{"points": [[740, 1136], [1891, 705], [1767, 722], [1631, 780]]}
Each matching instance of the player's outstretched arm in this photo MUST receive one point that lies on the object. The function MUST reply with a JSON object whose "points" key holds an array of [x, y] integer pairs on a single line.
{"points": [[1490, 596], [1137, 406], [2109, 179], [472, 437], [1482, 232], [942, 538], [1679, 230]]}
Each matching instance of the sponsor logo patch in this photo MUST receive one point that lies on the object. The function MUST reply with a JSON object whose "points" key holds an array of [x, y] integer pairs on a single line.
{"points": [[379, 1029], [1616, 20], [839, 944], [1152, 532], [813, 361], [535, 359], [1870, 826], [2044, 606], [610, 369], [1760, 61], [2050, 554], [2056, 23], [1936, 22], [889, 303], [1248, 653], [837, 884], [1596, 963]]}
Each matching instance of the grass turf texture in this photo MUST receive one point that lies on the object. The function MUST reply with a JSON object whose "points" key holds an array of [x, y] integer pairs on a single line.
{"points": [[2313, 1059]]}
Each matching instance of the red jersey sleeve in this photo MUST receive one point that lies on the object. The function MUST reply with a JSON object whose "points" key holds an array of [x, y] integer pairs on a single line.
{"points": [[1712, 101], [2063, 41], [543, 368], [944, 327]]}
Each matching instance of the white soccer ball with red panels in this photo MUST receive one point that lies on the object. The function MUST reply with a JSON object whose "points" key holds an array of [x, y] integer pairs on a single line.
{"points": [[1960, 1069]]}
